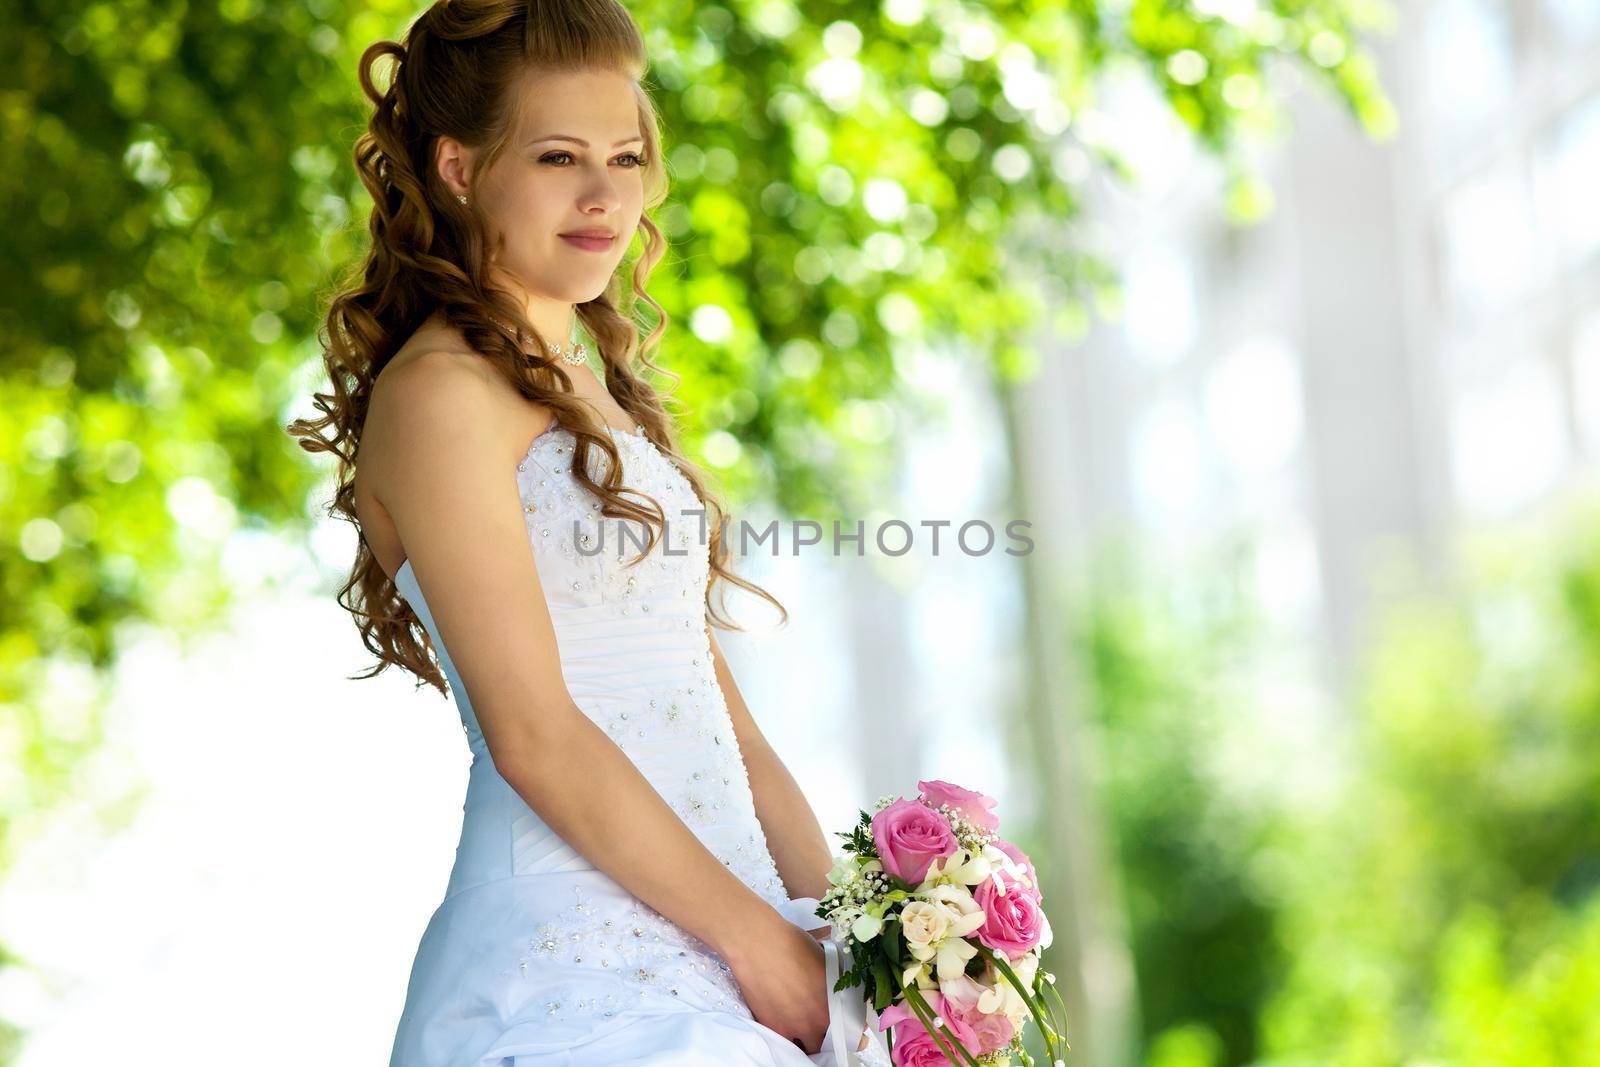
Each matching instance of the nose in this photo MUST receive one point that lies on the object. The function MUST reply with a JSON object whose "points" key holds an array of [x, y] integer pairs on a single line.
{"points": [[600, 192]]}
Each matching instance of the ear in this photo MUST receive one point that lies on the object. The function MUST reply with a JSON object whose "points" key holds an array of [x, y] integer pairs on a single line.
{"points": [[454, 161]]}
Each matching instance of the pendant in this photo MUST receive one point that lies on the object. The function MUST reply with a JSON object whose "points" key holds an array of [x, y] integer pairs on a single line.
{"points": [[576, 356]]}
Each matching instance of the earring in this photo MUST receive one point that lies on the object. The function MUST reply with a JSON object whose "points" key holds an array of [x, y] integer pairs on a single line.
{"points": [[461, 198]]}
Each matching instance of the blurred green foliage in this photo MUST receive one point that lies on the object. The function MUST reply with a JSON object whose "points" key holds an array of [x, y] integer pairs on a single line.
{"points": [[1438, 900], [1445, 909], [1172, 661]]}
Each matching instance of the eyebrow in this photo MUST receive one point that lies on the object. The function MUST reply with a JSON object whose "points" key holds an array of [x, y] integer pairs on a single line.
{"points": [[582, 142]]}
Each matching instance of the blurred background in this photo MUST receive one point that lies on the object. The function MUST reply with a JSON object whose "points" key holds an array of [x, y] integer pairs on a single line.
{"points": [[1276, 319]]}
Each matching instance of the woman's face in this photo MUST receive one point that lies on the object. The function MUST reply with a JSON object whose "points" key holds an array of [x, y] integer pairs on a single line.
{"points": [[546, 184]]}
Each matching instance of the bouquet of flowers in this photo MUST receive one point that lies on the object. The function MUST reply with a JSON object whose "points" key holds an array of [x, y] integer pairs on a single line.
{"points": [[945, 928]]}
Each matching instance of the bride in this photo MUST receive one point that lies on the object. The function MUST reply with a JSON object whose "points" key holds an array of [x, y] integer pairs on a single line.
{"points": [[637, 871]]}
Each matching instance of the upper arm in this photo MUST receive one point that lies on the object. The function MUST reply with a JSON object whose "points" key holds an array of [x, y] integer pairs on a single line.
{"points": [[449, 449], [745, 729]]}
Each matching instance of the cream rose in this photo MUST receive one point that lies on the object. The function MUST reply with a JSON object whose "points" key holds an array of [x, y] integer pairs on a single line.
{"points": [[924, 925], [943, 937]]}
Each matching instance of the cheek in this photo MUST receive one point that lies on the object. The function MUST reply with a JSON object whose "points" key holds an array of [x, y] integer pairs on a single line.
{"points": [[632, 197], [532, 207]]}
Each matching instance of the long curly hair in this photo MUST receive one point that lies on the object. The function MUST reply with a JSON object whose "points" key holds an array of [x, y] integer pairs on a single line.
{"points": [[456, 74]]}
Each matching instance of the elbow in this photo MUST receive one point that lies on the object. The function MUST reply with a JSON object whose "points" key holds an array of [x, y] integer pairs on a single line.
{"points": [[510, 759], [523, 746]]}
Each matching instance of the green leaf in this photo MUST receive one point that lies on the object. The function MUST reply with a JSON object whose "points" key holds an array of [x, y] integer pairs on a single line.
{"points": [[884, 994]]}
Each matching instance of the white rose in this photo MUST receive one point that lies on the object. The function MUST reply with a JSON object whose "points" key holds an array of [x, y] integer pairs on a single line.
{"points": [[925, 925], [952, 950]]}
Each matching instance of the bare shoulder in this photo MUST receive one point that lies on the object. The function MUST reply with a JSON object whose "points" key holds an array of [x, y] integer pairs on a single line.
{"points": [[428, 385], [435, 402], [438, 414], [412, 405]]}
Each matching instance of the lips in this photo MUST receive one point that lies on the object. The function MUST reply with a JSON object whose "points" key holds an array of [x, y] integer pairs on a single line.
{"points": [[590, 242]]}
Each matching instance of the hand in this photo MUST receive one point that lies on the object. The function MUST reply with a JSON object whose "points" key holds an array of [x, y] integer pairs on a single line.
{"points": [[822, 933], [785, 986]]}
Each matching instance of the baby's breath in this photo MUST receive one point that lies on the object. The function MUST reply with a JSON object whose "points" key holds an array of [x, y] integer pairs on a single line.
{"points": [[842, 904], [968, 835], [1004, 1053]]}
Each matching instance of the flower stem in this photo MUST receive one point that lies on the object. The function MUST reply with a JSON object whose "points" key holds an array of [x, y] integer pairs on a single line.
{"points": [[1041, 1015], [1051, 986], [925, 1015]]}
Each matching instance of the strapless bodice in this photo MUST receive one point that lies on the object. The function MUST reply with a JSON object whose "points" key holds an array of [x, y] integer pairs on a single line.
{"points": [[635, 656]]}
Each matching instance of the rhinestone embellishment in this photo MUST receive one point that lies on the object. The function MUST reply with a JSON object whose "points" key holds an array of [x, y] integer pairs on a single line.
{"points": [[595, 553], [644, 952]]}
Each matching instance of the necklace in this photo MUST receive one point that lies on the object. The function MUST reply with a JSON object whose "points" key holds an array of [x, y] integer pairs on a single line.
{"points": [[575, 356]]}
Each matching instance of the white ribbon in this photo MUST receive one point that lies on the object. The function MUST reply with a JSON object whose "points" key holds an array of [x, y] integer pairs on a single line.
{"points": [[847, 1008]]}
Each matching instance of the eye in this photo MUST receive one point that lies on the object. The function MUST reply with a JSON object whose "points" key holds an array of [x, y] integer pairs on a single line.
{"points": [[551, 157]]}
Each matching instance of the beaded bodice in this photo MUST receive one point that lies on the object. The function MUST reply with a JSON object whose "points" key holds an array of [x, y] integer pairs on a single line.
{"points": [[636, 658], [589, 560]]}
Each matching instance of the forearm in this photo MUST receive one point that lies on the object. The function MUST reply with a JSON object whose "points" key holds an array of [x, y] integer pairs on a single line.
{"points": [[590, 793], [799, 847]]}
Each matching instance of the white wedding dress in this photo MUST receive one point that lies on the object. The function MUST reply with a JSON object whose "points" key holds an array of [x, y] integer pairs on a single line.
{"points": [[537, 959]]}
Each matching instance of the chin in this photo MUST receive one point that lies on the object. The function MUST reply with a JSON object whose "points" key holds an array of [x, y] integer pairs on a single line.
{"points": [[576, 290], [594, 292]]}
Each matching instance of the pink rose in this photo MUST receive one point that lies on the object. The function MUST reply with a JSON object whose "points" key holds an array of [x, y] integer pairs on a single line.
{"points": [[910, 837], [1013, 922], [914, 1046], [1021, 859], [993, 1030], [974, 807]]}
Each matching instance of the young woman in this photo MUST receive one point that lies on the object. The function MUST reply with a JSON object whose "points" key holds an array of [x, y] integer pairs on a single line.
{"points": [[637, 870]]}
